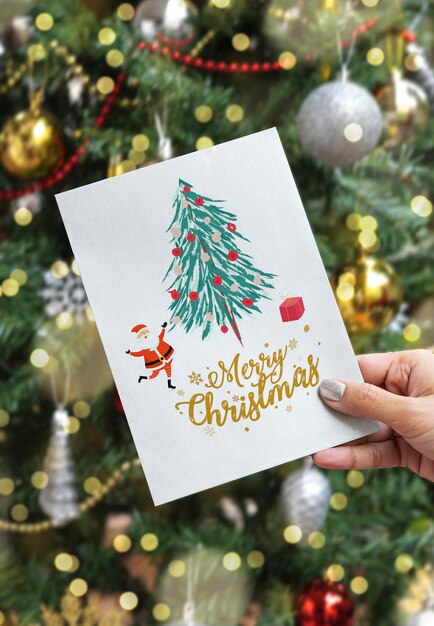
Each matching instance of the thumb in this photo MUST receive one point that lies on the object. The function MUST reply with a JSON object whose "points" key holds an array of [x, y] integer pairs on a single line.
{"points": [[366, 400]]}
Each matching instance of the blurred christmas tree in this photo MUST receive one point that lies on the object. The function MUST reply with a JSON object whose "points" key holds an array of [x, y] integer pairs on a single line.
{"points": [[90, 89]]}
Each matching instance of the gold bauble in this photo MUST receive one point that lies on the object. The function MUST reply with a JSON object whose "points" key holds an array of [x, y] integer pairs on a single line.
{"points": [[31, 143], [405, 105], [368, 293]]}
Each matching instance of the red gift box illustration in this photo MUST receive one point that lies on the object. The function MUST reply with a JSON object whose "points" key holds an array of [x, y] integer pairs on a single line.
{"points": [[291, 309]]}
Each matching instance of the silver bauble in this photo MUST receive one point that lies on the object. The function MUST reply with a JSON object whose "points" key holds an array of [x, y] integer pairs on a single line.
{"points": [[58, 499], [167, 18], [306, 499], [339, 123]]}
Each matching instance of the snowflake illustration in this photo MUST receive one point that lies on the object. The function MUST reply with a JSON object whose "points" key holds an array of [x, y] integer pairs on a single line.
{"points": [[293, 344], [236, 398], [180, 392], [209, 430], [289, 408], [195, 378], [64, 295]]}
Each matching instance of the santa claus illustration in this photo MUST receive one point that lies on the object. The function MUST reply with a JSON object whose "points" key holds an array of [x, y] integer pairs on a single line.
{"points": [[156, 353]]}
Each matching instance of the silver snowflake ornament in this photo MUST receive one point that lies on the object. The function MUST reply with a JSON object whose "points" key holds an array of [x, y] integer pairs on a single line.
{"points": [[64, 295]]}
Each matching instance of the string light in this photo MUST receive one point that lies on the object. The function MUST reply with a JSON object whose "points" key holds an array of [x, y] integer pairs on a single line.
{"points": [[149, 542], [122, 543], [92, 485], [240, 42], [353, 132], [355, 479], [19, 512], [234, 113], [114, 58], [338, 501], [420, 205], [140, 142], [59, 269], [44, 21], [78, 587], [74, 268], [359, 585], [413, 62], [176, 568], [136, 156], [7, 486], [23, 216], [125, 12], [335, 573], [106, 36], [161, 612], [203, 113], [231, 561], [64, 320], [63, 562], [287, 60], [411, 332], [404, 563], [39, 357], [105, 85], [81, 409], [292, 534], [375, 56], [316, 540], [204, 142], [72, 425], [255, 559], [39, 480], [221, 4], [10, 287], [36, 52], [128, 600], [20, 276]]}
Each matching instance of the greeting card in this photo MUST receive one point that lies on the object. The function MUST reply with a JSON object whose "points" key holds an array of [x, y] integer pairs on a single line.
{"points": [[215, 312]]}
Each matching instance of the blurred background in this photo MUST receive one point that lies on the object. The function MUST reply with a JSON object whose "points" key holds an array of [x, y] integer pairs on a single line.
{"points": [[96, 88]]}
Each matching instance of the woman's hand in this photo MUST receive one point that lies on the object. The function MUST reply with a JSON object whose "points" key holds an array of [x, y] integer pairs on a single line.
{"points": [[399, 393]]}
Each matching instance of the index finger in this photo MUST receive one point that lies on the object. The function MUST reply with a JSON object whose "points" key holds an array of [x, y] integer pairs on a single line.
{"points": [[374, 367]]}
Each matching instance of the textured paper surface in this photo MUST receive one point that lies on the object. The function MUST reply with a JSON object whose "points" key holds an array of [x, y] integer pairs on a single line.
{"points": [[118, 229]]}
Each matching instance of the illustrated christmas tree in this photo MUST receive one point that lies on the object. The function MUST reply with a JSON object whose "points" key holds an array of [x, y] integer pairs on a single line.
{"points": [[215, 282]]}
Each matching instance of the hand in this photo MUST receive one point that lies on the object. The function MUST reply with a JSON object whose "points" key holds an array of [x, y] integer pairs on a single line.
{"points": [[399, 392], [127, 351], [164, 325]]}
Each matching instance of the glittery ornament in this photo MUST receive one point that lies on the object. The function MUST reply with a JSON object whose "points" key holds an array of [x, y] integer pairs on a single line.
{"points": [[305, 499], [368, 293], [172, 19], [405, 106], [325, 603], [175, 231], [31, 143], [339, 123], [64, 295], [204, 257], [58, 499], [216, 237]]}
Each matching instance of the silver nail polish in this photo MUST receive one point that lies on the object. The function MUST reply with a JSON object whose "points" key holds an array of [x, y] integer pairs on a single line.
{"points": [[332, 389]]}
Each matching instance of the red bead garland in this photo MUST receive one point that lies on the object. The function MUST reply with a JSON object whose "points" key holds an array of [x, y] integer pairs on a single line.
{"points": [[63, 169], [211, 65]]}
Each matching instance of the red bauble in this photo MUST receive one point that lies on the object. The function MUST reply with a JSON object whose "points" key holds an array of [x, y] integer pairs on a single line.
{"points": [[217, 280], [199, 201], [190, 237], [233, 256], [247, 301], [176, 251], [325, 603], [187, 189], [231, 227], [175, 294], [193, 295], [224, 329]]}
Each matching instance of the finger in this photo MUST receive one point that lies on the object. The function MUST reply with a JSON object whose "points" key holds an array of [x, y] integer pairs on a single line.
{"points": [[374, 367], [366, 456], [383, 434], [367, 400]]}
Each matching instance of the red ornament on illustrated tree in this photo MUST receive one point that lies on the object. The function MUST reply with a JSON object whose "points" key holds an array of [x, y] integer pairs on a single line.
{"points": [[232, 255], [175, 294], [176, 251], [199, 201], [217, 280], [224, 329], [231, 227], [187, 189], [193, 295], [325, 603], [190, 237], [247, 302]]}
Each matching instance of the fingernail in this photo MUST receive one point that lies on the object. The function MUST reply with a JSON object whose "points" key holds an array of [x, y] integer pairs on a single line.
{"points": [[332, 389]]}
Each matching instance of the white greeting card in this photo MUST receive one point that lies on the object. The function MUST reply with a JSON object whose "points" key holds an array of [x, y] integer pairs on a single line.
{"points": [[215, 312]]}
